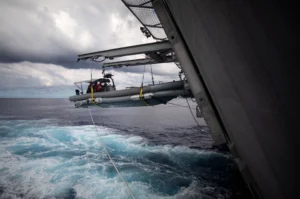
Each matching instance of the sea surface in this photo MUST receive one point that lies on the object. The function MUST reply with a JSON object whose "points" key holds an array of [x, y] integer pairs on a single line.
{"points": [[49, 149]]}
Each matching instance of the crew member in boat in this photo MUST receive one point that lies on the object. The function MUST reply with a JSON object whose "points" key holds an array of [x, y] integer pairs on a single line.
{"points": [[105, 86], [98, 87], [89, 88]]}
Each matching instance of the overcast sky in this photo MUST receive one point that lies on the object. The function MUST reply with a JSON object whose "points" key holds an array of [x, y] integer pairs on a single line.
{"points": [[40, 41]]}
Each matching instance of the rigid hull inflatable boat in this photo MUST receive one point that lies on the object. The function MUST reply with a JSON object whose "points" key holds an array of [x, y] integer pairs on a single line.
{"points": [[130, 97]]}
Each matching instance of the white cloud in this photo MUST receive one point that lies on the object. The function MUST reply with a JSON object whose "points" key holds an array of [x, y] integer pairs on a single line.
{"points": [[126, 30], [65, 23], [56, 31], [27, 74], [78, 37]]}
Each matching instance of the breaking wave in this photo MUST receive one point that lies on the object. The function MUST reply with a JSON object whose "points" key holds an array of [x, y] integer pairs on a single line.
{"points": [[39, 159]]}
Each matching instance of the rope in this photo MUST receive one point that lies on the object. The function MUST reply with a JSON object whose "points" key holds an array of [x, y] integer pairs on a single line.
{"points": [[166, 102], [179, 105], [97, 104], [192, 113], [141, 88], [111, 160], [152, 74]]}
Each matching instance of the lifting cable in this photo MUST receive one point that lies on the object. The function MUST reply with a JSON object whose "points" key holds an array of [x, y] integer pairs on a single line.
{"points": [[166, 102], [143, 77], [141, 88], [179, 105], [189, 107], [142, 98], [152, 74], [192, 113], [111, 160]]}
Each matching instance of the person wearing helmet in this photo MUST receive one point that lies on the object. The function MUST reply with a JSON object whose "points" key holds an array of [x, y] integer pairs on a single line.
{"points": [[98, 87]]}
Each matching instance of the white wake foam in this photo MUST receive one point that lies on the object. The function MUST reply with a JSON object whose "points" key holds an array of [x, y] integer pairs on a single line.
{"points": [[47, 161]]}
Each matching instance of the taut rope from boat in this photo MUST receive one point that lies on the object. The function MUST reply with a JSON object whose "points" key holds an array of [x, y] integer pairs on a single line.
{"points": [[111, 160]]}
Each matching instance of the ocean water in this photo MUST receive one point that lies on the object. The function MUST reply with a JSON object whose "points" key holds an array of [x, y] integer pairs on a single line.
{"points": [[49, 149], [38, 92]]}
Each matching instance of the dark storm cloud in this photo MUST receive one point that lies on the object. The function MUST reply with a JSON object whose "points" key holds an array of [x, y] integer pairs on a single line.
{"points": [[40, 41], [57, 31]]}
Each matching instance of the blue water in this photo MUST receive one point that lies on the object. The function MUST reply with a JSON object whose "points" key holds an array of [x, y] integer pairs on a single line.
{"points": [[48, 149]]}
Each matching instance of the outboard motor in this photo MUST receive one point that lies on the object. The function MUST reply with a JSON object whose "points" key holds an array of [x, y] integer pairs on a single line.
{"points": [[77, 92]]}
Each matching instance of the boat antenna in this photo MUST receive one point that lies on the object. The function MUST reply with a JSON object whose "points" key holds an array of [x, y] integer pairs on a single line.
{"points": [[91, 71]]}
